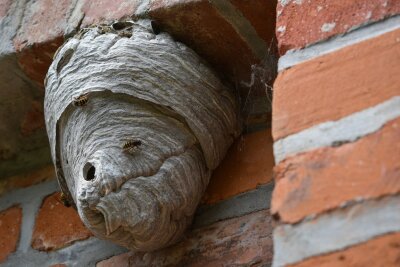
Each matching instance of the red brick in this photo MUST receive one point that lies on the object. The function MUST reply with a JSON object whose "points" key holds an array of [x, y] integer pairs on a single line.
{"points": [[247, 164], [27, 179], [199, 25], [106, 11], [302, 21], [43, 21], [39, 36], [380, 251], [33, 119], [44, 26], [57, 226], [243, 241], [323, 179], [261, 14], [58, 265], [336, 85], [36, 59], [10, 228]]}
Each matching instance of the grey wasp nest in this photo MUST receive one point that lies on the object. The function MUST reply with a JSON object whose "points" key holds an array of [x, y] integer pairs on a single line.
{"points": [[136, 123]]}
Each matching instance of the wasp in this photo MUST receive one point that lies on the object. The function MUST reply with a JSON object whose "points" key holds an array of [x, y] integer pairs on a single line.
{"points": [[131, 146], [125, 33], [81, 33], [102, 29], [81, 100]]}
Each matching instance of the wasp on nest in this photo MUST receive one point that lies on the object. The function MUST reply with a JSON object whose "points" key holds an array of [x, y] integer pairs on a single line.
{"points": [[131, 146], [81, 100]]}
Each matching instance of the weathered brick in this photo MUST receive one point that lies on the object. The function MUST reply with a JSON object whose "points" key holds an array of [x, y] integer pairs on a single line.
{"points": [[47, 21], [40, 34], [36, 59], [380, 251], [10, 228], [107, 11], [27, 179], [57, 226], [244, 241], [199, 25], [247, 164], [43, 20], [261, 15], [325, 178], [332, 86], [300, 23], [58, 265]]}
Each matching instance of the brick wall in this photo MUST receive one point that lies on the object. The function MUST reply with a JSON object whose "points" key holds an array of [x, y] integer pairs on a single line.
{"points": [[335, 134], [336, 130], [232, 226]]}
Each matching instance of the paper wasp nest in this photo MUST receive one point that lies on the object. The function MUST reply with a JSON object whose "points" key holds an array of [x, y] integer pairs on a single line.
{"points": [[136, 123]]}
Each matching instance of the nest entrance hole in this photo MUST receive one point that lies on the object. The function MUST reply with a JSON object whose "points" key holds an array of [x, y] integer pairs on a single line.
{"points": [[89, 172]]}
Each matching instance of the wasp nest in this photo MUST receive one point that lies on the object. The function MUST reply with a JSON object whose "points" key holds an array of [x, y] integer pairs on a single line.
{"points": [[136, 123]]}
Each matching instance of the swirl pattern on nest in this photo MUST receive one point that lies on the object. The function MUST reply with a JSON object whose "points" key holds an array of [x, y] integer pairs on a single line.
{"points": [[136, 123]]}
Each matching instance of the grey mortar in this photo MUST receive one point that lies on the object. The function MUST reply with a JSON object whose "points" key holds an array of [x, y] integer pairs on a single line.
{"points": [[294, 57], [336, 230], [347, 129]]}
